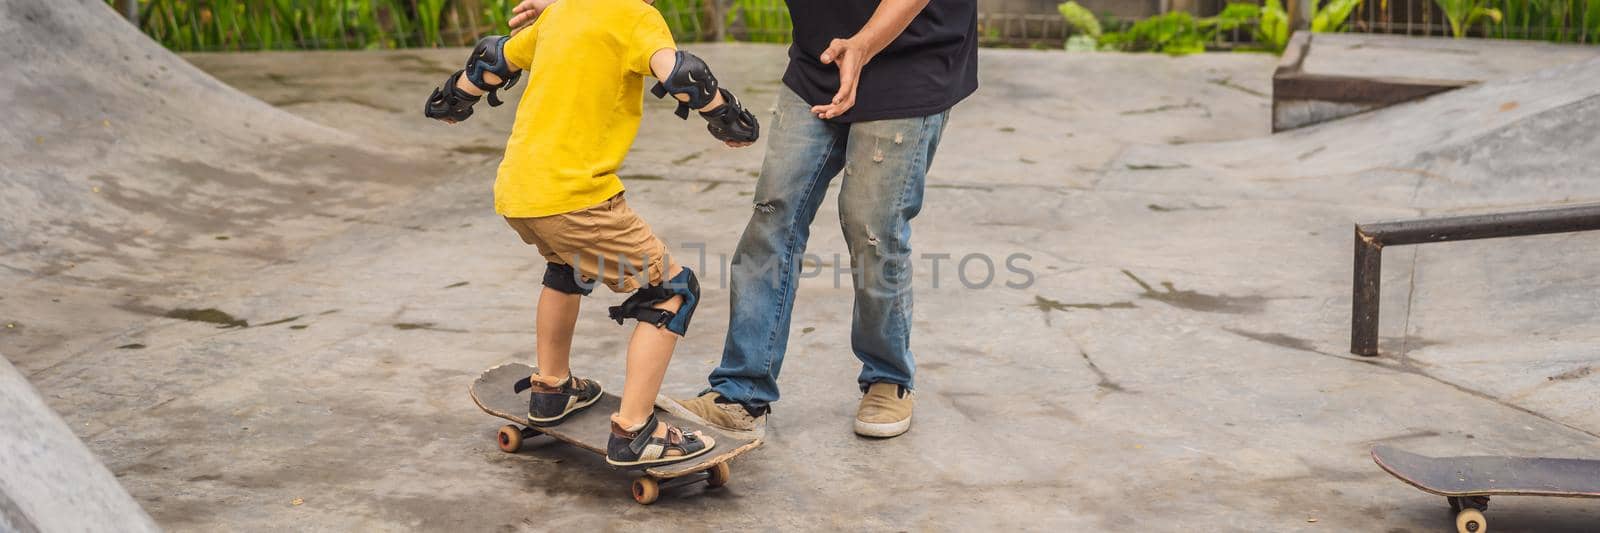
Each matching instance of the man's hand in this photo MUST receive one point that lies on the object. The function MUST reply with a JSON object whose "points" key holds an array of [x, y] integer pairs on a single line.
{"points": [[526, 11], [850, 55]]}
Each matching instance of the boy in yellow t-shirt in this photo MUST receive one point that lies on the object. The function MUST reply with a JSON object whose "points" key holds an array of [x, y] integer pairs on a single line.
{"points": [[558, 188]]}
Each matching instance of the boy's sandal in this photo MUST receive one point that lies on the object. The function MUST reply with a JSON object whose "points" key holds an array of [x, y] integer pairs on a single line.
{"points": [[677, 445]]}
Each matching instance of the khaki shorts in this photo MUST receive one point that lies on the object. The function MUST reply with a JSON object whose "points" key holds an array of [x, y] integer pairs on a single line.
{"points": [[606, 242]]}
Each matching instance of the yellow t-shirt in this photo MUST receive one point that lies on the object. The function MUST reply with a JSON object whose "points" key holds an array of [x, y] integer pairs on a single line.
{"points": [[580, 110]]}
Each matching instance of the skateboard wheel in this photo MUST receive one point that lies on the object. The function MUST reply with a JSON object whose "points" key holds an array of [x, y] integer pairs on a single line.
{"points": [[1471, 520], [509, 438], [719, 475], [646, 490]]}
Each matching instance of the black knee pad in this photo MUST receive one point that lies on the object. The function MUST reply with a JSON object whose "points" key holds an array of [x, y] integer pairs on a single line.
{"points": [[564, 279], [641, 306]]}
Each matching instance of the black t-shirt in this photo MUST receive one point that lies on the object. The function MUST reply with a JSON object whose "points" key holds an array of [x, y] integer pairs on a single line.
{"points": [[926, 70]]}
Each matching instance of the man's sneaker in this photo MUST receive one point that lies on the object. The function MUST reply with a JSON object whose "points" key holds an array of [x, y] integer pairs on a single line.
{"points": [[885, 410], [551, 403], [710, 409], [641, 448]]}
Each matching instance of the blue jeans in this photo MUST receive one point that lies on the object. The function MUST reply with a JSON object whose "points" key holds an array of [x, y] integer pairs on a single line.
{"points": [[884, 164]]}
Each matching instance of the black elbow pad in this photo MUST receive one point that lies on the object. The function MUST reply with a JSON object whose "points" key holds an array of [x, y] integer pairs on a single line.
{"points": [[690, 77], [490, 56]]}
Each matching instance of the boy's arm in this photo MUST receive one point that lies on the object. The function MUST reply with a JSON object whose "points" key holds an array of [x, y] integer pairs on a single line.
{"points": [[690, 81], [488, 70]]}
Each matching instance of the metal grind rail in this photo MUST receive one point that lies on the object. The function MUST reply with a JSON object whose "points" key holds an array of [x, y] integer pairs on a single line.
{"points": [[1372, 238]]}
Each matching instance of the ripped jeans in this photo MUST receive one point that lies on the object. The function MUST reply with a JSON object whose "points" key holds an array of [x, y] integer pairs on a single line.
{"points": [[884, 163]]}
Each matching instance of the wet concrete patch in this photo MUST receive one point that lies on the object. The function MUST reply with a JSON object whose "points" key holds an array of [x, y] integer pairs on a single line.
{"points": [[1046, 305], [209, 315], [1105, 383], [1188, 104], [1227, 82], [1576, 373], [478, 149], [428, 326], [1135, 166], [1198, 301], [1191, 207], [279, 321]]}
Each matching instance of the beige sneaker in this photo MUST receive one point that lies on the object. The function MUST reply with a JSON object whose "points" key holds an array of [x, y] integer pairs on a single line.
{"points": [[885, 410], [730, 418]]}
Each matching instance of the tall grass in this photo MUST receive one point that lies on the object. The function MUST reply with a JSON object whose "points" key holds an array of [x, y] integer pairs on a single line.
{"points": [[764, 21], [1547, 20], [239, 25]]}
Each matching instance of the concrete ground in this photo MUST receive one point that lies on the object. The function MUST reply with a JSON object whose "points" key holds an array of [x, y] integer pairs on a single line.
{"points": [[266, 318]]}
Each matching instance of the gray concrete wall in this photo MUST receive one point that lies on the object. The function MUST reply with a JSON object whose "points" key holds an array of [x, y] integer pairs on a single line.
{"points": [[48, 480]]}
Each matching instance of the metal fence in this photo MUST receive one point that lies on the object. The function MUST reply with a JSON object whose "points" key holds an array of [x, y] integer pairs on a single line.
{"points": [[1036, 24], [1050, 31], [1572, 21]]}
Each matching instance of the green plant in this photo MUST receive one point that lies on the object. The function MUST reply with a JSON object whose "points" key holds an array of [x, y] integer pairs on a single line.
{"points": [[1464, 14], [1326, 16], [764, 21], [1330, 17], [1086, 24], [213, 25], [1553, 20], [1591, 20], [1178, 32]]}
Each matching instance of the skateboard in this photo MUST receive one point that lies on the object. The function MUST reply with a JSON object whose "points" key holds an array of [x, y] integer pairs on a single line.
{"points": [[494, 392], [1468, 482]]}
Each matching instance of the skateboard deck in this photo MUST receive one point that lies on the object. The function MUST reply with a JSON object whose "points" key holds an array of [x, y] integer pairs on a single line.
{"points": [[1468, 482], [494, 392]]}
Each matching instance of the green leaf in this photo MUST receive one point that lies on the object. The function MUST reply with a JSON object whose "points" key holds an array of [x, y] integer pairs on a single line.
{"points": [[1080, 18]]}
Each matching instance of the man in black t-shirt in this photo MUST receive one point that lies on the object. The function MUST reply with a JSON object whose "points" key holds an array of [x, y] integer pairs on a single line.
{"points": [[869, 89]]}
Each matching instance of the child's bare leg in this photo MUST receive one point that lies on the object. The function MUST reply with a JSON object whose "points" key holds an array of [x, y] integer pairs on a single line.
{"points": [[649, 351], [558, 316]]}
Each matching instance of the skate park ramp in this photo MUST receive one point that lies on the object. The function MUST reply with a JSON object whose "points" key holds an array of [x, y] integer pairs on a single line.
{"points": [[260, 301], [52, 482]]}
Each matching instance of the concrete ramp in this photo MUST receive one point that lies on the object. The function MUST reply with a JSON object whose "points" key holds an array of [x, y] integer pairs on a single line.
{"points": [[118, 153], [1326, 76], [128, 172], [48, 480], [1508, 318], [1549, 105]]}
